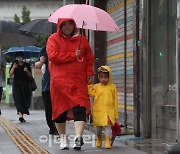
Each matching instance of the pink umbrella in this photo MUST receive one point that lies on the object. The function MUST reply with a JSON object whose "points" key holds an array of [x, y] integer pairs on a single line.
{"points": [[86, 17]]}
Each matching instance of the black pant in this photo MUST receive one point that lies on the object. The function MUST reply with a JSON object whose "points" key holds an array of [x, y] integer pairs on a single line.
{"points": [[78, 112], [48, 109]]}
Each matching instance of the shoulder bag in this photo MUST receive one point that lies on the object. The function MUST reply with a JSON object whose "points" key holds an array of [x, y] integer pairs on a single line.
{"points": [[33, 85]]}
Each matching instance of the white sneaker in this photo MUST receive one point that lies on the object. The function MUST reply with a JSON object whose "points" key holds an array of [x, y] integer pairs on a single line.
{"points": [[63, 144]]}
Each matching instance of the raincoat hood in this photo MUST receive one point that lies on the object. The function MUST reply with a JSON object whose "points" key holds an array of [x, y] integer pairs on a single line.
{"points": [[110, 81], [61, 20]]}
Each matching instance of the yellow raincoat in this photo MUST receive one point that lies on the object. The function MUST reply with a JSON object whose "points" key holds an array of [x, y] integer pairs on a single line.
{"points": [[105, 101]]}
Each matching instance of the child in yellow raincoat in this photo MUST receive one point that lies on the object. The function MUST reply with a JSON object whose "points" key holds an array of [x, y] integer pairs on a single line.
{"points": [[105, 105]]}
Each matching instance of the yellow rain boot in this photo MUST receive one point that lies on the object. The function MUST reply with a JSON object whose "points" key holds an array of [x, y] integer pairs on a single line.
{"points": [[107, 142], [99, 141]]}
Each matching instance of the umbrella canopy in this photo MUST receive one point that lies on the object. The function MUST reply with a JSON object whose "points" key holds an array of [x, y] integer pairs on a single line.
{"points": [[86, 16], [116, 130], [40, 26], [10, 36], [28, 52]]}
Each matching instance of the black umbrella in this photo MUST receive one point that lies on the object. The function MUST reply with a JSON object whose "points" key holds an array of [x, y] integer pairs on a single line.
{"points": [[11, 36], [40, 26]]}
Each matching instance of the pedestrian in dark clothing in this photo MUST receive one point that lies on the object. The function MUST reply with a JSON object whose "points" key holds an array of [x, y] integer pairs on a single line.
{"points": [[43, 64], [21, 71]]}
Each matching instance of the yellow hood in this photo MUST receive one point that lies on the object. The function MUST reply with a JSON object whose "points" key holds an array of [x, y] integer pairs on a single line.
{"points": [[110, 81]]}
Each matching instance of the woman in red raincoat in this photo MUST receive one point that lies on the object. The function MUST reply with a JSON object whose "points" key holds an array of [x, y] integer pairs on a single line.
{"points": [[69, 78]]}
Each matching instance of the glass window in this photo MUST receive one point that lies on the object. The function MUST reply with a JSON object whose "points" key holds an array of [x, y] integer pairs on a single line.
{"points": [[163, 48]]}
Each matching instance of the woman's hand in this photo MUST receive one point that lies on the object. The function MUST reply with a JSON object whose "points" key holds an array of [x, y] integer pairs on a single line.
{"points": [[11, 73], [78, 56], [40, 63], [26, 69], [15, 65], [78, 53], [42, 59]]}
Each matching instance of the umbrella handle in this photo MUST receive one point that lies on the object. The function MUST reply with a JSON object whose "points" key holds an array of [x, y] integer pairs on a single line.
{"points": [[80, 60]]}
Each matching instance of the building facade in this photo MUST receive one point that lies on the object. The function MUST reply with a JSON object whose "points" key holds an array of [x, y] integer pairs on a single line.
{"points": [[119, 56]]}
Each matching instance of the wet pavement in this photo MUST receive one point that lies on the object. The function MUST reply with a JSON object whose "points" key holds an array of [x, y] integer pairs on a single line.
{"points": [[37, 129], [149, 146]]}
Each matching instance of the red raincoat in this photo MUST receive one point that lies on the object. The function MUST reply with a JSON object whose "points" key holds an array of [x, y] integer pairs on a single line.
{"points": [[68, 83]]}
